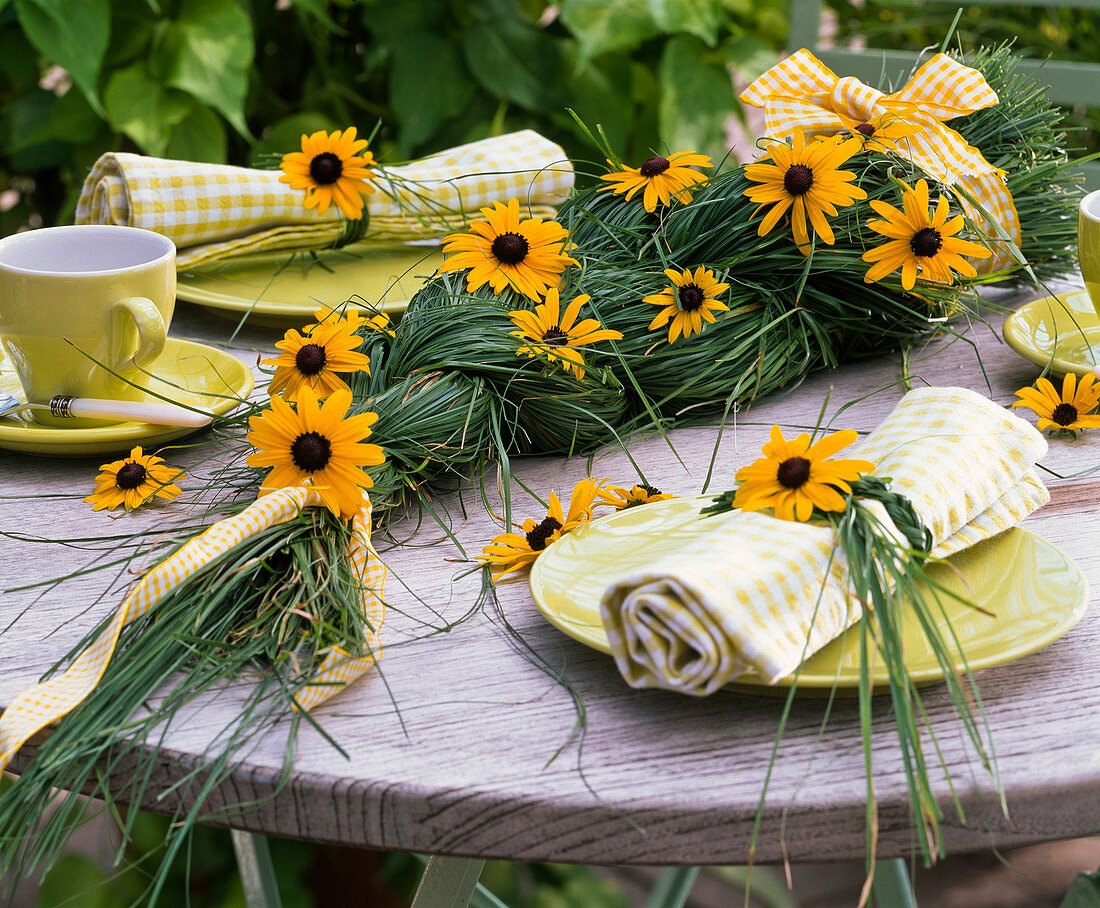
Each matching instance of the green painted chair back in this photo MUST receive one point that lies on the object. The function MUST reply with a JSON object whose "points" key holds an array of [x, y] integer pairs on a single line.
{"points": [[1068, 83]]}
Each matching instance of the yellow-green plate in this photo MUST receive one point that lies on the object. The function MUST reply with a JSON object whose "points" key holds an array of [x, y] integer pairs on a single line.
{"points": [[283, 289], [1062, 330], [185, 372], [1035, 592]]}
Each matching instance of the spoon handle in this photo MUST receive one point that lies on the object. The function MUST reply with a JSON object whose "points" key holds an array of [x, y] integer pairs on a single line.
{"points": [[135, 410]]}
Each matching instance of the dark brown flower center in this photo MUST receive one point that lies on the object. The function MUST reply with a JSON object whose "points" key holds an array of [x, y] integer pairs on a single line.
{"points": [[555, 337], [537, 536], [793, 472], [926, 242], [131, 475], [1064, 415], [310, 359], [798, 179], [310, 452], [510, 248], [691, 297], [653, 167], [865, 129], [325, 168], [650, 491]]}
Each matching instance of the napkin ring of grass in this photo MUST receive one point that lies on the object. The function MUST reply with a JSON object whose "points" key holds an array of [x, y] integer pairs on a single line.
{"points": [[885, 569]]}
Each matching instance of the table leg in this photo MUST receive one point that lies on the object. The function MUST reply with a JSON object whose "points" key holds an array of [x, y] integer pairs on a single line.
{"points": [[672, 887], [447, 882], [891, 887], [261, 890]]}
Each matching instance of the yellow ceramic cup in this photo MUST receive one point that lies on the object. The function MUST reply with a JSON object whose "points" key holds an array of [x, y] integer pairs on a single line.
{"points": [[1088, 245], [80, 303]]}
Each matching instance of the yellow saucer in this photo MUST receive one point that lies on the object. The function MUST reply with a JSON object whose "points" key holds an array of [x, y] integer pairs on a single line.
{"points": [[185, 372], [1035, 592], [1061, 330], [282, 289]]}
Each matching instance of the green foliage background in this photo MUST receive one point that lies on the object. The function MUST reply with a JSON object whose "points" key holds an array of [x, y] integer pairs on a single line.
{"points": [[229, 81]]}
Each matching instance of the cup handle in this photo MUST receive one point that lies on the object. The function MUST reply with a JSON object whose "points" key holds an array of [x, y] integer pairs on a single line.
{"points": [[152, 332]]}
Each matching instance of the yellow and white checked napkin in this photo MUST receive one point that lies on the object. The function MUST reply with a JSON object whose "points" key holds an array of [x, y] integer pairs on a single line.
{"points": [[48, 701], [761, 594], [215, 211]]}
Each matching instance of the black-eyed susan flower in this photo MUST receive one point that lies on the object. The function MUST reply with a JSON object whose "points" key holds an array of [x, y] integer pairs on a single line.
{"points": [[380, 322], [921, 241], [804, 178], [660, 179], [556, 336], [514, 551], [690, 300], [620, 497], [1068, 412], [330, 168], [503, 251], [794, 477], [133, 481], [318, 444], [316, 360], [883, 133]]}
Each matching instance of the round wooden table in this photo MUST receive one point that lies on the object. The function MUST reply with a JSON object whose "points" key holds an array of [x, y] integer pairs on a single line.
{"points": [[466, 742]]}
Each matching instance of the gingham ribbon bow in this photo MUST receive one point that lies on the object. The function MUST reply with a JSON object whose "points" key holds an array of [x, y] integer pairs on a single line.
{"points": [[802, 93], [49, 700]]}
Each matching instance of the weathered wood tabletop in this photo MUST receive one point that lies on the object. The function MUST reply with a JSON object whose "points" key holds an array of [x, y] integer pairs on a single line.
{"points": [[464, 745]]}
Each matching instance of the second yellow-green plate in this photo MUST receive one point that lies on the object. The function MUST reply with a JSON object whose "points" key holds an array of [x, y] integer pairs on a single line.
{"points": [[282, 290], [1034, 591], [1062, 330]]}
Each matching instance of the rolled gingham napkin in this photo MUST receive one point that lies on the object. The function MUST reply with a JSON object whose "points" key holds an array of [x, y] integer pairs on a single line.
{"points": [[214, 211], [761, 594]]}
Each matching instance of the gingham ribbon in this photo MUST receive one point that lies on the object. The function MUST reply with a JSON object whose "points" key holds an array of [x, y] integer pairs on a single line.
{"points": [[757, 593], [215, 211], [802, 93], [48, 701]]}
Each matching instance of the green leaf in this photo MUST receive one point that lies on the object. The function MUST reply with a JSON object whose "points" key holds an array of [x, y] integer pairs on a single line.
{"points": [[317, 9], [604, 25], [285, 135], [389, 21], [200, 136], [74, 34], [696, 97], [1084, 892], [750, 56], [515, 61], [25, 133], [18, 60], [600, 93], [70, 120], [144, 109], [702, 18], [133, 28], [424, 59], [208, 50]]}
